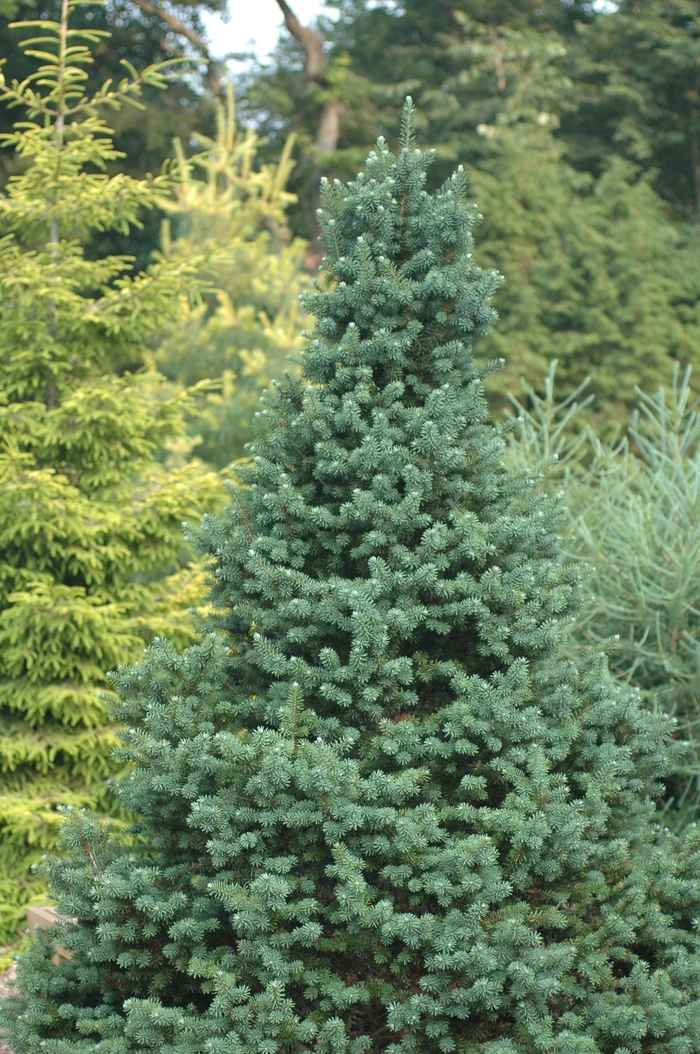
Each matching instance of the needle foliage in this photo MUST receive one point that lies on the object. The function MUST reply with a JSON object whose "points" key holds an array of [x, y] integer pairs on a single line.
{"points": [[231, 212], [379, 811], [633, 505], [92, 496]]}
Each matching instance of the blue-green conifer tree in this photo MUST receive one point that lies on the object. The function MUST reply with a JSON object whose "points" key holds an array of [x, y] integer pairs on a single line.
{"points": [[379, 811]]}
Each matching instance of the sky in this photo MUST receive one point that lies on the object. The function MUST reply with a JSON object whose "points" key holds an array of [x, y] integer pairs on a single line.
{"points": [[254, 25]]}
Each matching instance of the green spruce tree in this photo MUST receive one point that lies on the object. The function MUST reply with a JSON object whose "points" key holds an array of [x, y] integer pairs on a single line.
{"points": [[378, 810], [93, 484], [636, 66]]}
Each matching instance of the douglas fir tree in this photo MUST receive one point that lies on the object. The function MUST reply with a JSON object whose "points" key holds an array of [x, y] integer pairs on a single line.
{"points": [[378, 811]]}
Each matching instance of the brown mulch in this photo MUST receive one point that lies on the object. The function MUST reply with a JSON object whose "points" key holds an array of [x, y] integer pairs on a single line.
{"points": [[6, 980]]}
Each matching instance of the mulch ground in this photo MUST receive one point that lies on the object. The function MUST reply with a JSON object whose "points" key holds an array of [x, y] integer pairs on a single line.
{"points": [[6, 980]]}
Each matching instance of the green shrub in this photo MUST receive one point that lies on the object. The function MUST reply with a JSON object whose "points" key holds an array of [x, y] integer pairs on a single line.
{"points": [[230, 213]]}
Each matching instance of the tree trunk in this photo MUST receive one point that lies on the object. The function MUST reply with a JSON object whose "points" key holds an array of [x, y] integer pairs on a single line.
{"points": [[329, 121], [328, 131]]}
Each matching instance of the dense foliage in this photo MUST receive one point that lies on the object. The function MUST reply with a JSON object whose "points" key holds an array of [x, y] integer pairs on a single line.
{"points": [[94, 484], [578, 128], [621, 77], [595, 107], [231, 212], [598, 277], [97, 463], [633, 505], [379, 810]]}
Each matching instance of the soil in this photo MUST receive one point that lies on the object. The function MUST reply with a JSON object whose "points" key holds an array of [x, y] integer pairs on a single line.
{"points": [[6, 980]]}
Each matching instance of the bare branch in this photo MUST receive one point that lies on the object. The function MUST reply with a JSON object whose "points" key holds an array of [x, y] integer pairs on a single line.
{"points": [[180, 27], [310, 40], [176, 24]]}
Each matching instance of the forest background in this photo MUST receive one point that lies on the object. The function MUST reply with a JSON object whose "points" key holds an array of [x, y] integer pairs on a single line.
{"points": [[579, 128]]}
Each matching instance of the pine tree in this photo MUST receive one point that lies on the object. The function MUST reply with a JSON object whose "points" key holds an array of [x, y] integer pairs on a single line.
{"points": [[636, 521], [91, 493], [632, 506], [229, 209], [636, 67], [378, 810]]}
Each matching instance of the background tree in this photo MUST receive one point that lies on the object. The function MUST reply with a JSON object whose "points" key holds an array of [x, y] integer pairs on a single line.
{"points": [[95, 478], [636, 67], [634, 517], [599, 277], [601, 270], [379, 810], [386, 50], [226, 207]]}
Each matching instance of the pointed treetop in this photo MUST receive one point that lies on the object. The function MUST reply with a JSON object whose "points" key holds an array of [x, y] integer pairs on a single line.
{"points": [[407, 137]]}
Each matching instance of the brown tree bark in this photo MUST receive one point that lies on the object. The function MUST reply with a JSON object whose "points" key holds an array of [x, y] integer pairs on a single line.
{"points": [[315, 62], [329, 122], [182, 29], [328, 131], [311, 41]]}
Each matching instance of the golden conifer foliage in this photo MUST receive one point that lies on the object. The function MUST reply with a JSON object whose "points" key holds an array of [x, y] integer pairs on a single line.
{"points": [[232, 213]]}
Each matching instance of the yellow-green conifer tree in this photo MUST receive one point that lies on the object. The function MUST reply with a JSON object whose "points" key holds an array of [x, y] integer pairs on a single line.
{"points": [[232, 212], [93, 485]]}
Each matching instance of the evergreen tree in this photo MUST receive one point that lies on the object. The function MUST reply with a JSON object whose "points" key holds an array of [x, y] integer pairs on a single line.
{"points": [[143, 137], [632, 69], [636, 521], [378, 810], [229, 210], [638, 94], [93, 482], [599, 277], [461, 58], [633, 507]]}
